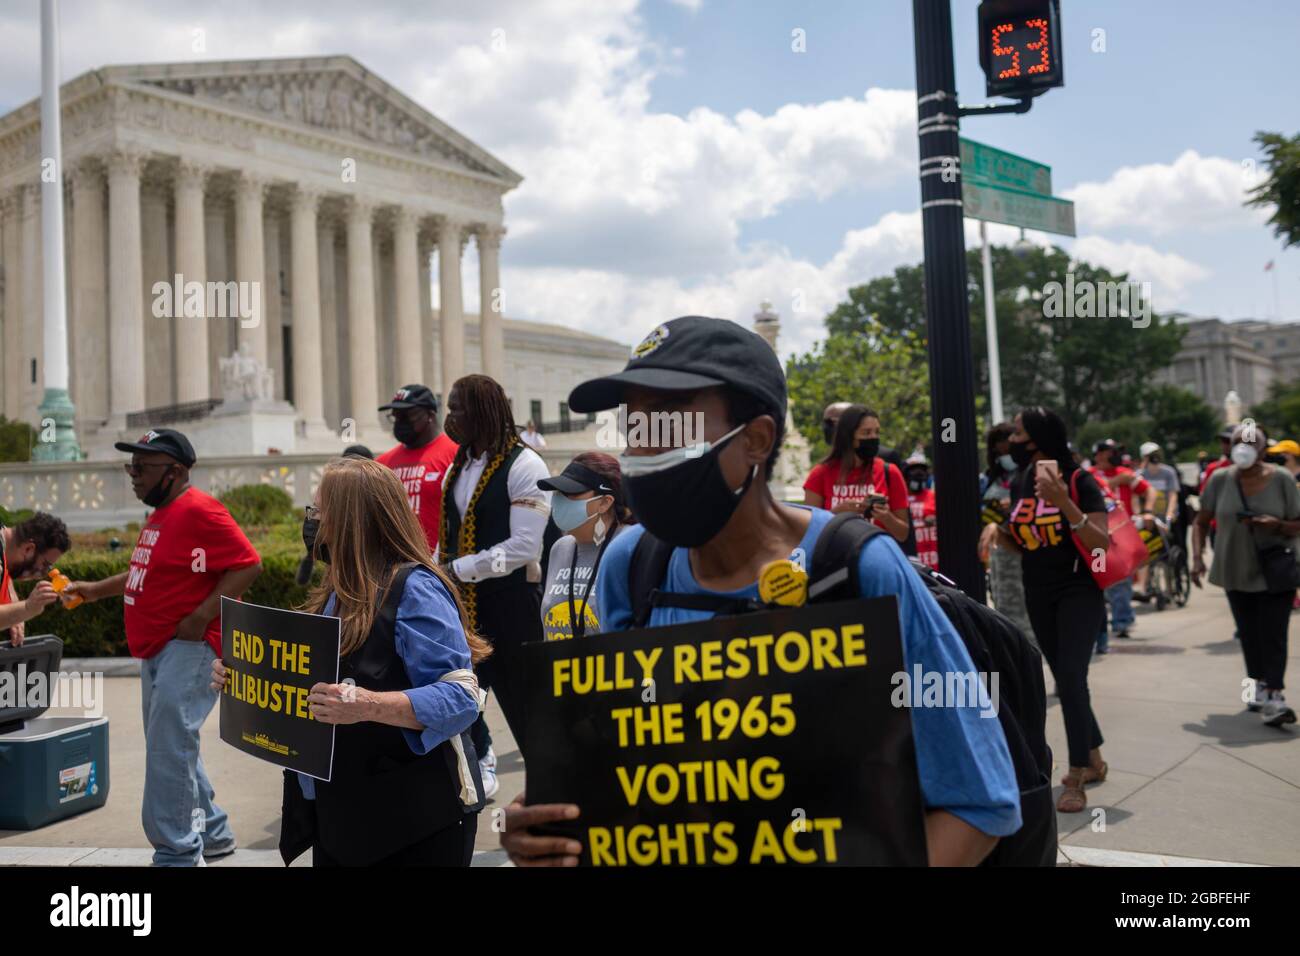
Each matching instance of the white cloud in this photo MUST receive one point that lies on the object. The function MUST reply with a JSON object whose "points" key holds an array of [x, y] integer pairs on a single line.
{"points": [[1192, 192], [1169, 273]]}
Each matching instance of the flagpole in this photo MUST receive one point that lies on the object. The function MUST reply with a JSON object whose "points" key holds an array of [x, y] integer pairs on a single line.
{"points": [[56, 436]]}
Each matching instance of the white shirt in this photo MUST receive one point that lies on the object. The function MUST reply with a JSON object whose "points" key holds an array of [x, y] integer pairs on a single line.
{"points": [[533, 440], [530, 507]]}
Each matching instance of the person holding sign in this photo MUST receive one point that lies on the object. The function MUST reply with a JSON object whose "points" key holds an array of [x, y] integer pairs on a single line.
{"points": [[589, 509], [711, 505], [189, 555], [404, 789]]}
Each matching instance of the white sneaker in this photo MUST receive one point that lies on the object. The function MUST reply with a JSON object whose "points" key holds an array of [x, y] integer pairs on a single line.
{"points": [[487, 768], [1261, 698], [1276, 713], [489, 760]]}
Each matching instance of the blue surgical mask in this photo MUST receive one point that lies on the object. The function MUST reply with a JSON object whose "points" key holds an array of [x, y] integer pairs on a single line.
{"points": [[569, 513], [1007, 462]]}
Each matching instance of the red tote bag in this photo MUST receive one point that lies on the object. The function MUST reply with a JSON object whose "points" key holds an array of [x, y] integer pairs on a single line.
{"points": [[1127, 550]]}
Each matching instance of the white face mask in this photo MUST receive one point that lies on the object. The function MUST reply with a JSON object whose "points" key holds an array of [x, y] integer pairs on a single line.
{"points": [[1243, 455], [633, 465]]}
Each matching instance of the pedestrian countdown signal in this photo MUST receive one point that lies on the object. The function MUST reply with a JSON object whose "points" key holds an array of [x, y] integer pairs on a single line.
{"points": [[1020, 46]]}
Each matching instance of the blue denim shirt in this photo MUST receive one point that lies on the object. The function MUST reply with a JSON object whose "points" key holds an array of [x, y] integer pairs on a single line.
{"points": [[431, 643]]}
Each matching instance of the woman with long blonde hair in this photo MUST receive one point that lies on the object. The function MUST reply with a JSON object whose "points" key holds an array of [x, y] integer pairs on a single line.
{"points": [[405, 788]]}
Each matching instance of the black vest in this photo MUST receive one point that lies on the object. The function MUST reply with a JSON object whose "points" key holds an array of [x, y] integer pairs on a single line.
{"points": [[491, 523], [382, 796]]}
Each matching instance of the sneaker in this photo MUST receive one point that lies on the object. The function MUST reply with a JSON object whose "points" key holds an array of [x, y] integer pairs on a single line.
{"points": [[1276, 713], [202, 862], [217, 852], [487, 768], [1261, 698], [1123, 633], [489, 760]]}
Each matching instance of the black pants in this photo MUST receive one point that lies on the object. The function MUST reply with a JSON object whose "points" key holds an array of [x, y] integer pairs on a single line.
{"points": [[1066, 622], [507, 619], [1262, 620], [450, 846]]}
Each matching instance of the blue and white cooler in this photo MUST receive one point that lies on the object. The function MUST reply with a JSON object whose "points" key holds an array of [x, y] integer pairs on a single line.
{"points": [[50, 767]]}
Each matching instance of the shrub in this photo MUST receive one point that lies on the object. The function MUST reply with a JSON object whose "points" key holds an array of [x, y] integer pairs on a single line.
{"points": [[16, 440], [259, 506]]}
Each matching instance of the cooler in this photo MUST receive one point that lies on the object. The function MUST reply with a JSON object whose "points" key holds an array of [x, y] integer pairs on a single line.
{"points": [[50, 767]]}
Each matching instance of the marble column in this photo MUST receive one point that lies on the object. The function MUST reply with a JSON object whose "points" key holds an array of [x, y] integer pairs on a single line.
{"points": [[364, 399], [89, 320], [221, 330], [11, 251], [125, 288], [491, 309], [332, 366], [308, 383], [33, 311], [192, 365], [250, 263], [407, 280], [429, 371], [159, 331], [272, 315], [451, 310]]}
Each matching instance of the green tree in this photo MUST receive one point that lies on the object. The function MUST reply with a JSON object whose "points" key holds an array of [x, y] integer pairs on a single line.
{"points": [[16, 440], [1279, 414], [1086, 368], [1281, 189], [873, 365], [1181, 421]]}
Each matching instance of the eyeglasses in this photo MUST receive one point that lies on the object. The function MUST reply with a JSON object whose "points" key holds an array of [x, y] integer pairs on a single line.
{"points": [[312, 512], [135, 468]]}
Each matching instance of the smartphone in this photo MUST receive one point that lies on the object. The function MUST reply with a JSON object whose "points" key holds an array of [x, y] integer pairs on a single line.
{"points": [[1245, 515], [1047, 466], [872, 500]]}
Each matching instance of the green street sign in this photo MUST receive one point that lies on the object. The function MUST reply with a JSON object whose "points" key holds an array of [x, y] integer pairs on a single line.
{"points": [[1017, 208], [987, 166]]}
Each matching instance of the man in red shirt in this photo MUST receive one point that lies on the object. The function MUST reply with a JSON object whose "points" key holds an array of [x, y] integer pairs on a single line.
{"points": [[423, 456], [1225, 443], [920, 499], [190, 554]]}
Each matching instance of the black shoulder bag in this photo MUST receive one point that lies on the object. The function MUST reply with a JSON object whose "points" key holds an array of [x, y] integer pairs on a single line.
{"points": [[1277, 561]]}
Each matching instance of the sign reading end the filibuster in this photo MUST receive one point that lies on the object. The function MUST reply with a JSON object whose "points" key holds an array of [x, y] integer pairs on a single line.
{"points": [[764, 739], [274, 657]]}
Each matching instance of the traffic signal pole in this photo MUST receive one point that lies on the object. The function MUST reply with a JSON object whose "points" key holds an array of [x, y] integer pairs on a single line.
{"points": [[952, 379]]}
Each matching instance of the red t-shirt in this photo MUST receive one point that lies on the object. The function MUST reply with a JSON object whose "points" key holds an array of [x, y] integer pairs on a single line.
{"points": [[1210, 469], [170, 576], [927, 533], [1124, 493], [421, 470], [824, 480]]}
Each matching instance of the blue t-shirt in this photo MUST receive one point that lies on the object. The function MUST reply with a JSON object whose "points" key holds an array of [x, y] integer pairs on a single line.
{"points": [[961, 757], [431, 642]]}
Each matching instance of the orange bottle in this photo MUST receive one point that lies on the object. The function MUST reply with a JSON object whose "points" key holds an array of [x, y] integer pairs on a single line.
{"points": [[61, 581]]}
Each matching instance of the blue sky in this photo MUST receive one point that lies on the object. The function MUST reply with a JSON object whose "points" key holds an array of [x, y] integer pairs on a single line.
{"points": [[680, 157]]}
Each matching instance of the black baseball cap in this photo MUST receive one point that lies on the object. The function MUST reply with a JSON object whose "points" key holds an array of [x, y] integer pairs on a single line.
{"points": [[166, 440], [577, 478], [689, 353], [412, 396]]}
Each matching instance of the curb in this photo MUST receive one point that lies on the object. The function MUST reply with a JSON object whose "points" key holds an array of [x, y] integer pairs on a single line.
{"points": [[108, 666]]}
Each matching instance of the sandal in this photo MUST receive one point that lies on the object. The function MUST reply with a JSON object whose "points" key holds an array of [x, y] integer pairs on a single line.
{"points": [[1089, 774], [1072, 798]]}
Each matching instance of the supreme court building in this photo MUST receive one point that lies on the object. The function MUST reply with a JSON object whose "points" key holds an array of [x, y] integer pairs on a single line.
{"points": [[251, 247]]}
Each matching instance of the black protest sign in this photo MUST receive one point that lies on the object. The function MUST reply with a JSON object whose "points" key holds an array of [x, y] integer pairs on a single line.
{"points": [[274, 657], [763, 738]]}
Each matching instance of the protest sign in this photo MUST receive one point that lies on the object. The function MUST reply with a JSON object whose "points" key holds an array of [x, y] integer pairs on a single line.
{"points": [[764, 738], [274, 657]]}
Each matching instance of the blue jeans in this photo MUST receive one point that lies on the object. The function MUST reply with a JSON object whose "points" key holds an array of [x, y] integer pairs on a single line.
{"points": [[1120, 598], [178, 814]]}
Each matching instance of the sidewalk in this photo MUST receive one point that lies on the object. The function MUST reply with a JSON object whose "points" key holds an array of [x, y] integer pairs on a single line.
{"points": [[1193, 776], [1192, 773]]}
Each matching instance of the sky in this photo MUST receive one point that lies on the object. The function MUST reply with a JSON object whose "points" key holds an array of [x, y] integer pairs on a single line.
{"points": [[702, 156]]}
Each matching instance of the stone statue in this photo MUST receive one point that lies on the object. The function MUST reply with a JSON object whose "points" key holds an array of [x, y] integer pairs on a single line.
{"points": [[244, 378]]}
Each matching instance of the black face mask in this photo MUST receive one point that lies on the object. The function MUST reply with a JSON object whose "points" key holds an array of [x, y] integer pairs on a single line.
{"points": [[916, 484], [686, 504], [158, 494], [310, 527], [867, 448], [828, 431], [452, 430], [1021, 453], [405, 432]]}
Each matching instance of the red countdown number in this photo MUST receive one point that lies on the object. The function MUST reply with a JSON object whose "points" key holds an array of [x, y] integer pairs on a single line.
{"points": [[1041, 46]]}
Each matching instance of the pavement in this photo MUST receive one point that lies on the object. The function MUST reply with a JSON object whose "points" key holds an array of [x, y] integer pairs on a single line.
{"points": [[1194, 778]]}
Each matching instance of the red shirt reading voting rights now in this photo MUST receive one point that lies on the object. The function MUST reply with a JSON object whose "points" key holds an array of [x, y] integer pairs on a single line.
{"points": [[421, 471], [183, 550]]}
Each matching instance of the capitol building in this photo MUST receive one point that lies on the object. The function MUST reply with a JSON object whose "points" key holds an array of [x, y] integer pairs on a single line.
{"points": [[250, 257]]}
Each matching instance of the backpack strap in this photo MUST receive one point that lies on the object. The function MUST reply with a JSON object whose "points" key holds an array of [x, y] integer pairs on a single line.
{"points": [[834, 557], [645, 572]]}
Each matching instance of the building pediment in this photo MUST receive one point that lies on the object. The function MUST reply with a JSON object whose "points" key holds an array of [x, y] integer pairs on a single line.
{"points": [[335, 94]]}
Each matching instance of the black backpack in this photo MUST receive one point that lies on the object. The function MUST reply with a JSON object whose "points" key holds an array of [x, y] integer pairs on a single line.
{"points": [[995, 645]]}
